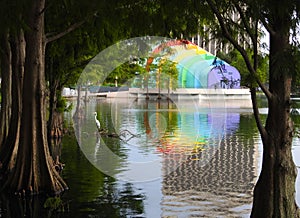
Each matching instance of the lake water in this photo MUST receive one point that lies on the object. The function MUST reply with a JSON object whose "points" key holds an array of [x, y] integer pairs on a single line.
{"points": [[180, 159]]}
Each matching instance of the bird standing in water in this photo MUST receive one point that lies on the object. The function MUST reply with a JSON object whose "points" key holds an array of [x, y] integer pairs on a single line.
{"points": [[97, 121]]}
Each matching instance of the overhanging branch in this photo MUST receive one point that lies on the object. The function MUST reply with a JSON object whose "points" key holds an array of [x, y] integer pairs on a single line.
{"points": [[242, 51], [260, 126], [267, 26], [245, 21], [63, 33]]}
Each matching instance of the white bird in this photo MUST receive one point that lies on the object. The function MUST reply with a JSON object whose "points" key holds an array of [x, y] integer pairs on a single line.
{"points": [[97, 121]]}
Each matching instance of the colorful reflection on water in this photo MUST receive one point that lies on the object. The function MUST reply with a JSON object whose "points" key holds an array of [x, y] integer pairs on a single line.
{"points": [[183, 153], [180, 160]]}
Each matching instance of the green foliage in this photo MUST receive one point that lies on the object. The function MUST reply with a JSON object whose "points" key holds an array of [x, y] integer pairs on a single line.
{"points": [[169, 72], [106, 23], [66, 58], [169, 67], [11, 18], [235, 59], [162, 17], [62, 104], [126, 72], [164, 72]]}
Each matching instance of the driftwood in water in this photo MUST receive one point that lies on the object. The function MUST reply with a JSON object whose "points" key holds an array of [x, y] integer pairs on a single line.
{"points": [[121, 135]]}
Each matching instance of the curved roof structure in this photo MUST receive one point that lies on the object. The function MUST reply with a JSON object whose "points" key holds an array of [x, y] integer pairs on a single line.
{"points": [[198, 68]]}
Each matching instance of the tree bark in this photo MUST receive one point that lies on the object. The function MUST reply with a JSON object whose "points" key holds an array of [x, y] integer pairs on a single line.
{"points": [[10, 145], [274, 193], [54, 122], [6, 74], [34, 171]]}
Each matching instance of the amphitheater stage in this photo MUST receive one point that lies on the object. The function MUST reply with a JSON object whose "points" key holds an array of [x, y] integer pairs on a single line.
{"points": [[186, 94]]}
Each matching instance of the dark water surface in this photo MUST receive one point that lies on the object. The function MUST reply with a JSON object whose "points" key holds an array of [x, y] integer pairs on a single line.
{"points": [[181, 159]]}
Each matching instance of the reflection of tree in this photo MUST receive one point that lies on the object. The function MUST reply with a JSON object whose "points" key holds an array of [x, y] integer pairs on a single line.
{"points": [[109, 111], [168, 114], [93, 193], [123, 202], [33, 206], [14, 206], [247, 128], [85, 180], [86, 134], [146, 118], [172, 117]]}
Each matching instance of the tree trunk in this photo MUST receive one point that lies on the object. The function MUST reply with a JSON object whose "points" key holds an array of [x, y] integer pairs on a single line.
{"points": [[78, 112], [34, 171], [86, 94], [169, 87], [274, 193], [6, 74], [54, 122], [10, 146], [159, 96], [52, 94], [56, 127]]}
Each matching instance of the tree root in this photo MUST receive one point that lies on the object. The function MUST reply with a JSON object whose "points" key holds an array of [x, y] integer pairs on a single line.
{"points": [[58, 165]]}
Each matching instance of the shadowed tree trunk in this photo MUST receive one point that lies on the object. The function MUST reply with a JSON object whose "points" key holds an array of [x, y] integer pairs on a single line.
{"points": [[55, 123], [10, 145], [6, 74], [34, 171]]}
